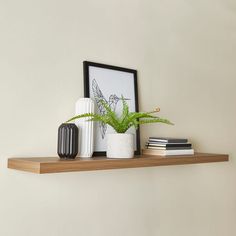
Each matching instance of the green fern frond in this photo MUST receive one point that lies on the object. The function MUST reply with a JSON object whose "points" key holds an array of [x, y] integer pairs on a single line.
{"points": [[110, 114], [125, 111], [80, 116], [155, 120], [125, 121]]}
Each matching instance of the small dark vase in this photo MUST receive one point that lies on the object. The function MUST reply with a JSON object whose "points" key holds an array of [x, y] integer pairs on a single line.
{"points": [[67, 146]]}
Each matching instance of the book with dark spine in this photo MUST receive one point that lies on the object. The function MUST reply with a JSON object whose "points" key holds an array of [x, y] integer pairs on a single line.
{"points": [[155, 144], [168, 140], [167, 148]]}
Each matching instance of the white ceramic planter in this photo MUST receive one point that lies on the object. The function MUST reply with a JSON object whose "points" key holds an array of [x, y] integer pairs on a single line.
{"points": [[120, 145]]}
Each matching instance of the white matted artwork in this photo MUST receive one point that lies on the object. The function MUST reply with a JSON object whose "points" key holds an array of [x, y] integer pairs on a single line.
{"points": [[110, 83]]}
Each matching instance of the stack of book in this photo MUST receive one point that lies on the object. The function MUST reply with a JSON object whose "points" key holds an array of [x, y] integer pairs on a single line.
{"points": [[168, 146]]}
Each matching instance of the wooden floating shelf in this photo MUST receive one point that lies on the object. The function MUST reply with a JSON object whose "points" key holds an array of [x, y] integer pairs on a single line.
{"points": [[44, 165]]}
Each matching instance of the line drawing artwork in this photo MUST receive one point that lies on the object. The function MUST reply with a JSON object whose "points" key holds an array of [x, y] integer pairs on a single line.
{"points": [[112, 102]]}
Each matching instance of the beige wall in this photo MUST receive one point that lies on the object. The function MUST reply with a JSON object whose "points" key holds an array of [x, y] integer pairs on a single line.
{"points": [[185, 53]]}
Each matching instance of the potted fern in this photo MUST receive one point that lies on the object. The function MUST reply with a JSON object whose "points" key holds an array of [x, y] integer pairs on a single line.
{"points": [[121, 144]]}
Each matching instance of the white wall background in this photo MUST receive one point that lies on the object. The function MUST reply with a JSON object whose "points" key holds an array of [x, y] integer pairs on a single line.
{"points": [[185, 53]]}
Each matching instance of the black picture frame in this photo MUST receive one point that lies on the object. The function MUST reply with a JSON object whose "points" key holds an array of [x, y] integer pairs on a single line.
{"points": [[86, 66]]}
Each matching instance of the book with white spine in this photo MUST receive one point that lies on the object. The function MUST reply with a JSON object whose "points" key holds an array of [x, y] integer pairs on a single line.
{"points": [[161, 152]]}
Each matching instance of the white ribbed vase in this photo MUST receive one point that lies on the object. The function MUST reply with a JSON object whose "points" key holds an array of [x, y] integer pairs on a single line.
{"points": [[85, 105]]}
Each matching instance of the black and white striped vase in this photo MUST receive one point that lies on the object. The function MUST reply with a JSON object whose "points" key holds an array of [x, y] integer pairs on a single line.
{"points": [[67, 146]]}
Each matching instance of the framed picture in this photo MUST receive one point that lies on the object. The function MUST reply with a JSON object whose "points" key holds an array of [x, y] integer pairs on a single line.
{"points": [[110, 83]]}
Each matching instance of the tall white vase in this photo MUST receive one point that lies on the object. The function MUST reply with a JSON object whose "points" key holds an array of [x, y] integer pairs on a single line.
{"points": [[85, 105]]}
